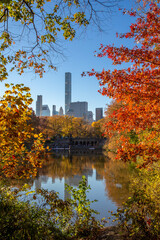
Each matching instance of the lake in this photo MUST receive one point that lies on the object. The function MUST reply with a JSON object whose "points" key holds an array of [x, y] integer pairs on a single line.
{"points": [[108, 179]]}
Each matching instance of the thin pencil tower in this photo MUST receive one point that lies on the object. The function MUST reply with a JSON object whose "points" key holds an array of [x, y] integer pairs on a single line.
{"points": [[67, 91]]}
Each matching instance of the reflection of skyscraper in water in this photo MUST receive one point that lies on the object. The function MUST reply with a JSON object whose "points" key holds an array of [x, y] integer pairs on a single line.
{"points": [[74, 181], [38, 182], [88, 172], [99, 176], [67, 91]]}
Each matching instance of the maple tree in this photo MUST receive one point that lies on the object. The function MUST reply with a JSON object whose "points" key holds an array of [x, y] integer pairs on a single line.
{"points": [[137, 87], [20, 147], [31, 30]]}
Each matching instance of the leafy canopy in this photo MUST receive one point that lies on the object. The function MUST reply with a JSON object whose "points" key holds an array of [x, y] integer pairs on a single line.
{"points": [[30, 30], [136, 87], [67, 126], [20, 148], [30, 36]]}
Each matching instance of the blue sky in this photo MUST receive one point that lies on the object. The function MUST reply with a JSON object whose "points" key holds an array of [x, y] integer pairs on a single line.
{"points": [[79, 57]]}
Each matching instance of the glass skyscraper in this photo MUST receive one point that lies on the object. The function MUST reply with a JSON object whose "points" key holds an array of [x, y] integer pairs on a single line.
{"points": [[39, 106], [99, 113]]}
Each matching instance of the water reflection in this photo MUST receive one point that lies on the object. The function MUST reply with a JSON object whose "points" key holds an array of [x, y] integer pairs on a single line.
{"points": [[109, 180]]}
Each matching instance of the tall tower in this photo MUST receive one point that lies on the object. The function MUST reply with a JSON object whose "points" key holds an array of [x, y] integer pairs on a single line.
{"points": [[45, 111], [67, 91], [39, 106], [53, 110], [61, 111], [99, 113]]}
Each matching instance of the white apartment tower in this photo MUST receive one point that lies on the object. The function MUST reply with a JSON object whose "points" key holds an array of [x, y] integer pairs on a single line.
{"points": [[67, 91]]}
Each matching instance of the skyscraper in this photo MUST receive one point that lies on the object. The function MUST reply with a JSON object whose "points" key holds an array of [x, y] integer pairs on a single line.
{"points": [[53, 110], [78, 109], [67, 91], [90, 116], [39, 106], [99, 113], [45, 111], [61, 111]]}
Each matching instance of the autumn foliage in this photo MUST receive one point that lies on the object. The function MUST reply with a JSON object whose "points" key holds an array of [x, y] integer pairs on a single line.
{"points": [[68, 126], [137, 87], [20, 147], [31, 31]]}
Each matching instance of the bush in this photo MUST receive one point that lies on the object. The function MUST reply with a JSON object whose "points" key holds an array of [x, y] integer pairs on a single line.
{"points": [[140, 215], [71, 219], [20, 220], [83, 223]]}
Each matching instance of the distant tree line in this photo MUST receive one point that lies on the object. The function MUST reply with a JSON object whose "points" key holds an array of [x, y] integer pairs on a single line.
{"points": [[67, 126]]}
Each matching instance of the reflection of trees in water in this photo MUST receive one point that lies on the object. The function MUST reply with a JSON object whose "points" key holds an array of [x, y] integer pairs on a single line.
{"points": [[117, 179], [68, 166], [115, 173]]}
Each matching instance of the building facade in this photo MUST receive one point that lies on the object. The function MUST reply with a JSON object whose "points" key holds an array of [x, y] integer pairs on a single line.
{"points": [[61, 111], [78, 109], [53, 110], [39, 106], [45, 111], [99, 113], [90, 116], [67, 91]]}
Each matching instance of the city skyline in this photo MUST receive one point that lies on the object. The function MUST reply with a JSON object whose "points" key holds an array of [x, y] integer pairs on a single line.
{"points": [[72, 108], [79, 56], [67, 100]]}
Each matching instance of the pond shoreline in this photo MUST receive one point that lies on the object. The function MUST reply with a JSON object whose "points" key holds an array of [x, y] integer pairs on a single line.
{"points": [[111, 233]]}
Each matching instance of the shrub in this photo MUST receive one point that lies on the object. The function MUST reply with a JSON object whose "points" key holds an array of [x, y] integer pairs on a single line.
{"points": [[54, 219], [20, 220], [140, 214]]}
